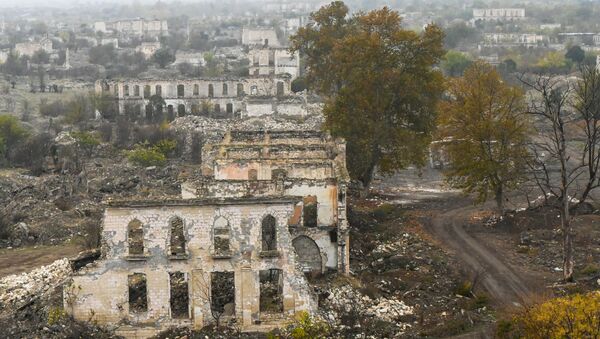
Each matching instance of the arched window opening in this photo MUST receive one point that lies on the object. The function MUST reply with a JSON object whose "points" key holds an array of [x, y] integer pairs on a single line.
{"points": [[225, 89], [269, 233], [135, 237], [158, 90], [221, 237], [211, 91], [181, 110], [196, 90], [177, 237], [180, 91]]}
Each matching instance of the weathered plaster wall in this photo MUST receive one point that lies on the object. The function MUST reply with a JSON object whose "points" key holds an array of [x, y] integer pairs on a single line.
{"points": [[102, 290]]}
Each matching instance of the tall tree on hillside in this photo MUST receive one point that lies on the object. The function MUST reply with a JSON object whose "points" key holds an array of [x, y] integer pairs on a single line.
{"points": [[485, 123], [379, 84]]}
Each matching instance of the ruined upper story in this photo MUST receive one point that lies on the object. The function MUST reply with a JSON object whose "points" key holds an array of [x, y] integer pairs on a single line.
{"points": [[196, 88], [266, 155]]}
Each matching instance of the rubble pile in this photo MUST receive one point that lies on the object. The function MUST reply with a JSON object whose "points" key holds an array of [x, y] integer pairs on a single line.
{"points": [[16, 290], [347, 298], [217, 127], [51, 208]]}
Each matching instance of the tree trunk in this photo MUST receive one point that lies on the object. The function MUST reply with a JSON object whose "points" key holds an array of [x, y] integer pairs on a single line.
{"points": [[366, 180], [500, 199], [568, 262]]}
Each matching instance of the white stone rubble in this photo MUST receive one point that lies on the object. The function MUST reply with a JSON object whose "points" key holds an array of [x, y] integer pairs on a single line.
{"points": [[19, 288], [346, 298]]}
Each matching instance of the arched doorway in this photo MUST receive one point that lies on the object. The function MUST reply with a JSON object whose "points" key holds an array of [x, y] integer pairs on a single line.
{"points": [[308, 254]]}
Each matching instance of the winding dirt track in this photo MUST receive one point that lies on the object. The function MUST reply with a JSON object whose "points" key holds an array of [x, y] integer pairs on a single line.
{"points": [[505, 286]]}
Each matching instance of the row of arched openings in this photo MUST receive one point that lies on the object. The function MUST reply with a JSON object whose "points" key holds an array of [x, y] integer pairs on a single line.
{"points": [[221, 236], [147, 90]]}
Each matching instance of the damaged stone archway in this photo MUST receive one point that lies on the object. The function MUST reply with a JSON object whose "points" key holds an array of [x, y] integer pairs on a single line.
{"points": [[308, 254]]}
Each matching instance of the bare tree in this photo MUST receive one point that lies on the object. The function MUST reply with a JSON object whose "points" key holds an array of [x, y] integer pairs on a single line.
{"points": [[566, 112]]}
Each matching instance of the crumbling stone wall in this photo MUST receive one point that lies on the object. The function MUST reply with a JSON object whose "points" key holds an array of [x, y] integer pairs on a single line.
{"points": [[100, 292], [279, 163]]}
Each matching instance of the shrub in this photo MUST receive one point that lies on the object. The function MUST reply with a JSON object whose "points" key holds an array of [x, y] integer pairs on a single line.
{"points": [[304, 327], [165, 146], [464, 289], [146, 156], [55, 315], [12, 133], [87, 141], [574, 316]]}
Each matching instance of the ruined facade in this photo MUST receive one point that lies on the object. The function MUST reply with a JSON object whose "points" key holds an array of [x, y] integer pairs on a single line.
{"points": [[311, 165], [270, 61], [192, 262], [267, 208], [198, 96], [257, 36], [134, 27], [30, 47]]}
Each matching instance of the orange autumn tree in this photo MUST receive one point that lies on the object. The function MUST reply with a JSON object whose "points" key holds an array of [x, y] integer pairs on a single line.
{"points": [[379, 84], [485, 129]]}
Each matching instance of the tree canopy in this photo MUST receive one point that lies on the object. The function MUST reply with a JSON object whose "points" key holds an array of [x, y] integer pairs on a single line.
{"points": [[379, 83], [484, 125]]}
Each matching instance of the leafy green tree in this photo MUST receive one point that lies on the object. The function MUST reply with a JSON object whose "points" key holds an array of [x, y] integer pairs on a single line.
{"points": [[163, 57], [575, 54], [87, 141], [40, 57], [103, 55], [14, 64], [486, 130], [299, 84], [553, 62], [455, 63], [11, 134], [458, 33], [379, 83]]}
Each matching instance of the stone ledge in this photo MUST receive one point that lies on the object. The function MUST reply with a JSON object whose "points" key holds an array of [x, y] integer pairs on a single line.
{"points": [[136, 257], [269, 254]]}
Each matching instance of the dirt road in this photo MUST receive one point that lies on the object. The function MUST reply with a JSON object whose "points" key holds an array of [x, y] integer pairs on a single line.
{"points": [[499, 279], [27, 258], [448, 213]]}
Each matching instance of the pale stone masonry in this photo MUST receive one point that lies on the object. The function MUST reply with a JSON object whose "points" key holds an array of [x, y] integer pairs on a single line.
{"points": [[100, 293], [198, 96], [265, 209], [310, 164]]}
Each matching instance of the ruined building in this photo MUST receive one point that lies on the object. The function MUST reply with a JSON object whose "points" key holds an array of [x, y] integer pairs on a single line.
{"points": [[228, 97], [134, 27], [268, 208], [269, 61]]}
